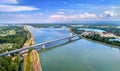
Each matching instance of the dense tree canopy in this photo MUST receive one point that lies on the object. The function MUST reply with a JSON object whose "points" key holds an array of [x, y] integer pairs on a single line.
{"points": [[7, 64], [96, 37], [18, 39]]}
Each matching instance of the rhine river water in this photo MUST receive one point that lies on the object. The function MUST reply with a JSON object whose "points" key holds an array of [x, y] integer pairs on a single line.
{"points": [[79, 55]]}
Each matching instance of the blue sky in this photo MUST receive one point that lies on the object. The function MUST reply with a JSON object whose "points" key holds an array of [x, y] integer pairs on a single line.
{"points": [[45, 11]]}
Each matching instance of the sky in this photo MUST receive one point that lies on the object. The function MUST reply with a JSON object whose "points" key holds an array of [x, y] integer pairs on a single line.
{"points": [[54, 11]]}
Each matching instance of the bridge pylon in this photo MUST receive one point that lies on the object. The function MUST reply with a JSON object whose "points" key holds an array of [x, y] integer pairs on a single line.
{"points": [[70, 39], [43, 46]]}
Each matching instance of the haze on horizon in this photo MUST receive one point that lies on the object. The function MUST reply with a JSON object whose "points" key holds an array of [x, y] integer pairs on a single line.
{"points": [[53, 11]]}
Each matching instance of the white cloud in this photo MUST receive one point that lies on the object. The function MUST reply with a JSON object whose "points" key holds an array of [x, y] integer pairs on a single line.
{"points": [[73, 17], [110, 13], [79, 4], [83, 16], [39, 17], [115, 7], [60, 12], [34, 17], [58, 17], [8, 1], [21, 15], [14, 8], [66, 10]]}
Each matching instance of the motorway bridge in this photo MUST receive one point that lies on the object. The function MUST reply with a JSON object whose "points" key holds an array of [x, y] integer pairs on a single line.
{"points": [[42, 45]]}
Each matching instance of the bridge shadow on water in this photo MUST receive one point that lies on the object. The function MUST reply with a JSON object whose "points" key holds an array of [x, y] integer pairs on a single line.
{"points": [[56, 46]]}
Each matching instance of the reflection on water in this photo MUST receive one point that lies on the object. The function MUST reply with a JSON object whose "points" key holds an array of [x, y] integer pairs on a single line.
{"points": [[47, 34], [80, 55]]}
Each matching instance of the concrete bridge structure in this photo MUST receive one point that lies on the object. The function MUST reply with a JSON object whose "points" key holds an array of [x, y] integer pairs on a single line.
{"points": [[42, 45]]}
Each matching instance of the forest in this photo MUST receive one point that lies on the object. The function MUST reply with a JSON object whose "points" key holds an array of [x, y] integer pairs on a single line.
{"points": [[7, 63], [97, 37]]}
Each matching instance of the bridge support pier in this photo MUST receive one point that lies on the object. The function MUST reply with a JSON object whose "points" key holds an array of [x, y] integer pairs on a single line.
{"points": [[43, 46], [79, 37], [70, 39]]}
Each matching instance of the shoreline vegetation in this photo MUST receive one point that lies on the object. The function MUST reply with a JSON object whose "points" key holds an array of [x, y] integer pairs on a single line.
{"points": [[102, 40], [31, 59], [93, 39]]}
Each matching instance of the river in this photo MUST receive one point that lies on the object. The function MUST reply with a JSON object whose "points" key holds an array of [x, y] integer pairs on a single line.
{"points": [[79, 55]]}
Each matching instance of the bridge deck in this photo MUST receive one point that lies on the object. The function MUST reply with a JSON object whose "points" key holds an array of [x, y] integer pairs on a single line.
{"points": [[37, 45]]}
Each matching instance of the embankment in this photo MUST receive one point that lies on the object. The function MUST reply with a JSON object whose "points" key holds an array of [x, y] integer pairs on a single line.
{"points": [[31, 59]]}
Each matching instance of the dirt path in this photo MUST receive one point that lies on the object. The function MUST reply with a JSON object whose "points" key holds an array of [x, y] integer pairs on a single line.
{"points": [[24, 63], [25, 55]]}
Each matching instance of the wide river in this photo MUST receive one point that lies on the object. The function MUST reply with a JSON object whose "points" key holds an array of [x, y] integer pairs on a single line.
{"points": [[79, 55]]}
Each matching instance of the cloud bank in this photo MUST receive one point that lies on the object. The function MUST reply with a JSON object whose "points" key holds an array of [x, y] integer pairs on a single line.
{"points": [[110, 13], [8, 1], [14, 8], [73, 17]]}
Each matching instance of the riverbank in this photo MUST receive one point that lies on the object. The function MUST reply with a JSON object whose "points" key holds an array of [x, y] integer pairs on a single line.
{"points": [[95, 40], [101, 42], [31, 60], [80, 55]]}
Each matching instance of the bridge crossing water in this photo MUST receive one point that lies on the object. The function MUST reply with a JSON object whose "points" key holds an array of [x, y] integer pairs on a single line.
{"points": [[42, 45]]}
